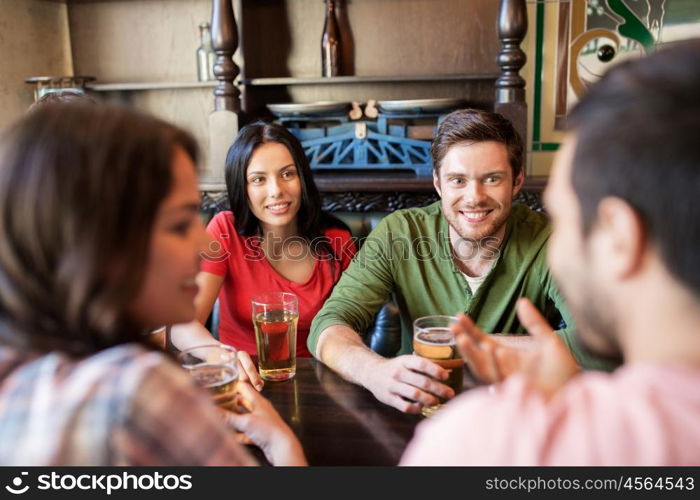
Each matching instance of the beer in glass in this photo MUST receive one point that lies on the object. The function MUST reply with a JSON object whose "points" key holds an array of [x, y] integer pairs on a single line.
{"points": [[275, 317], [215, 368], [433, 340]]}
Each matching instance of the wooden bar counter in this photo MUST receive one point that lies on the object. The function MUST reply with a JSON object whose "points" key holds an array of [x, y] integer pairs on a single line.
{"points": [[339, 423]]}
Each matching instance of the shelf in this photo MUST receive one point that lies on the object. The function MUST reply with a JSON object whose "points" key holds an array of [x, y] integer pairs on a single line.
{"points": [[259, 82], [111, 87], [365, 79]]}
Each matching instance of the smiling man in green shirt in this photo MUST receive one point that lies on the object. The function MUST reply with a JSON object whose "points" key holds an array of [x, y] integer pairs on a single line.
{"points": [[472, 252]]}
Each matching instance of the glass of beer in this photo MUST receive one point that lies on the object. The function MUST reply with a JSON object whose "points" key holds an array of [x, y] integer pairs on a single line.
{"points": [[275, 317], [214, 367], [433, 340], [157, 337]]}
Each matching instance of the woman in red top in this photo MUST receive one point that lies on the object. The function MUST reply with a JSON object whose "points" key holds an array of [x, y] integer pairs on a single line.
{"points": [[275, 238]]}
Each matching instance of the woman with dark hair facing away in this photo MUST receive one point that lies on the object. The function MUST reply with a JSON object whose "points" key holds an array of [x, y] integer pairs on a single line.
{"points": [[275, 238], [101, 242]]}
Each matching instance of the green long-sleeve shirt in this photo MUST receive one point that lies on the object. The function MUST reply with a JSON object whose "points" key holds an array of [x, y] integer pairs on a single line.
{"points": [[409, 255]]}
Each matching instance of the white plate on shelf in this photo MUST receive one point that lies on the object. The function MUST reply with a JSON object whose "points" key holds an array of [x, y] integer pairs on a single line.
{"points": [[309, 108], [417, 105]]}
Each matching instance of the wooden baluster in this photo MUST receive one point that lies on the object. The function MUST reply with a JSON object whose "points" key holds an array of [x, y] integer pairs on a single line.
{"points": [[223, 121], [224, 40], [510, 86]]}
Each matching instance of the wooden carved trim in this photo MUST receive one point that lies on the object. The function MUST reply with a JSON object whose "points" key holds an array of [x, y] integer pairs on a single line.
{"points": [[512, 27], [357, 202], [224, 40]]}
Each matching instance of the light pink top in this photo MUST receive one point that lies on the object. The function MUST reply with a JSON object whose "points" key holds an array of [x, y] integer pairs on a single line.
{"points": [[639, 415]]}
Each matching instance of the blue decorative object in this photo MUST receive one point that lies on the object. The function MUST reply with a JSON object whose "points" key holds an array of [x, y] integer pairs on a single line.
{"points": [[331, 142], [363, 145]]}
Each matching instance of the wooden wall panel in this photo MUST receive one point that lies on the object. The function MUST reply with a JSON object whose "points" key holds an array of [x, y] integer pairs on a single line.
{"points": [[33, 42], [381, 37], [137, 40], [146, 41], [188, 108]]}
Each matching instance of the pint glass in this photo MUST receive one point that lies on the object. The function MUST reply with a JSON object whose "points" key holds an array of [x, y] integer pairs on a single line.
{"points": [[275, 317], [433, 340]]}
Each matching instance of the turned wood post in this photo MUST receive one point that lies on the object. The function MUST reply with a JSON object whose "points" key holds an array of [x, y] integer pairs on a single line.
{"points": [[223, 121], [510, 86], [224, 40]]}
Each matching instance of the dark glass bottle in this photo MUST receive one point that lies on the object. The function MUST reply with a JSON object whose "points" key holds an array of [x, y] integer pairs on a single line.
{"points": [[330, 43]]}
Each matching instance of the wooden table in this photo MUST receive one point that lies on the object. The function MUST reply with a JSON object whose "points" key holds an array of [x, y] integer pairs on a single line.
{"points": [[339, 423]]}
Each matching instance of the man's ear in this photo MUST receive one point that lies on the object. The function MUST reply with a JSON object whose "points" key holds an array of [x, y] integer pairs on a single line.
{"points": [[436, 182], [518, 183], [621, 235]]}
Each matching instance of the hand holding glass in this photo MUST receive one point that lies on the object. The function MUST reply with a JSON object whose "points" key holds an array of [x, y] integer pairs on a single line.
{"points": [[433, 340], [214, 368]]}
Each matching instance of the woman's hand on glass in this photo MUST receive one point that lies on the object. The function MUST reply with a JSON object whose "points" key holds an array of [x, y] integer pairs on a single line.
{"points": [[247, 372], [265, 428]]}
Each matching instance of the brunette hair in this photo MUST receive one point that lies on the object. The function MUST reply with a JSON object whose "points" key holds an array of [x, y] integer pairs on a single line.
{"points": [[80, 186], [636, 139], [312, 220], [474, 125]]}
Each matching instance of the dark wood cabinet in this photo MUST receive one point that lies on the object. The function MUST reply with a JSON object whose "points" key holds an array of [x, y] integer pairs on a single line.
{"points": [[391, 50], [143, 53]]}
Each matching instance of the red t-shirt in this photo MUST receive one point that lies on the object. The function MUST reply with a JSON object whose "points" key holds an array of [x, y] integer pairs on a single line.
{"points": [[247, 273]]}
